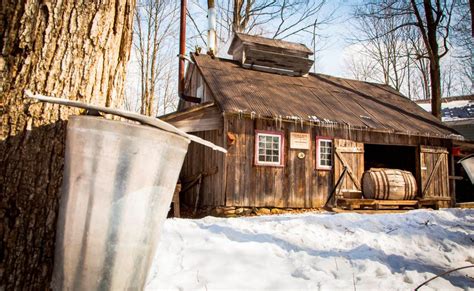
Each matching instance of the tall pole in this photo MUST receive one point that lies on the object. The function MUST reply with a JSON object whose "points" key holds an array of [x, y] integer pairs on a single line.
{"points": [[182, 46], [211, 32]]}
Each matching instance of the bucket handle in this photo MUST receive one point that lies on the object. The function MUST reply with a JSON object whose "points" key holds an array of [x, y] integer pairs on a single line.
{"points": [[153, 122]]}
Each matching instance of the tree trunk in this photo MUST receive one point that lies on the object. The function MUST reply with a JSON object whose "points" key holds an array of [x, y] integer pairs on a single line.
{"points": [[435, 77], [471, 9], [60, 48]]}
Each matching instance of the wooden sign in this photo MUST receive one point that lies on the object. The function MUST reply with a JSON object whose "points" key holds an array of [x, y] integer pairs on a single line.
{"points": [[300, 141]]}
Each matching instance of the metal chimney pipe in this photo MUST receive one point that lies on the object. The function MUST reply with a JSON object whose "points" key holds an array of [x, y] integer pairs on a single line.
{"points": [[211, 33], [182, 47]]}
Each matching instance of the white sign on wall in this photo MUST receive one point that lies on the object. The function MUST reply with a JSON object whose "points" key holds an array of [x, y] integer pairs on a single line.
{"points": [[299, 140]]}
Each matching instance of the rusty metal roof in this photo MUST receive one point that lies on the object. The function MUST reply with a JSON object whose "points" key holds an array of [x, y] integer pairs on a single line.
{"points": [[318, 98], [277, 43]]}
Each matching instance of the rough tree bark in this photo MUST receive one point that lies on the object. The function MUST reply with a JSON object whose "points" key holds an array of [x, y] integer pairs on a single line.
{"points": [[63, 48]]}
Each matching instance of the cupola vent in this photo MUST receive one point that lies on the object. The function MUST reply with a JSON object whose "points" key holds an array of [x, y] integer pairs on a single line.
{"points": [[271, 55]]}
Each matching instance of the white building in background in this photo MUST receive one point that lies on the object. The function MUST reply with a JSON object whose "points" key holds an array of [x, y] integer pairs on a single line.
{"points": [[457, 112]]}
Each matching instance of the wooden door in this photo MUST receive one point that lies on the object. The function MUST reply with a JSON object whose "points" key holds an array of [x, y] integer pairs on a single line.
{"points": [[434, 173], [349, 154]]}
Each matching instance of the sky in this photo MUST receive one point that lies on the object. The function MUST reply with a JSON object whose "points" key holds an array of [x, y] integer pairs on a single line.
{"points": [[330, 60]]}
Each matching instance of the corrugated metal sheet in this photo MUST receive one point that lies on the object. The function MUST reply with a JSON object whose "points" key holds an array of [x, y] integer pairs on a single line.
{"points": [[317, 98]]}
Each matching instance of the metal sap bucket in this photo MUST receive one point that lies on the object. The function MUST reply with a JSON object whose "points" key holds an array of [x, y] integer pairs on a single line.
{"points": [[468, 165], [119, 180]]}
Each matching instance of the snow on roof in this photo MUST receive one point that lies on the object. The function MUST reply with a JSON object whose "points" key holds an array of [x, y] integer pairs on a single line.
{"points": [[453, 108]]}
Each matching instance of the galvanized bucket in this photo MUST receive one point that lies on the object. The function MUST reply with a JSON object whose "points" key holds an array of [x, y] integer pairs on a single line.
{"points": [[119, 179]]}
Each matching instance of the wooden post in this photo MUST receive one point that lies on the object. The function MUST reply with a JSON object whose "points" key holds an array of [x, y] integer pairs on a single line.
{"points": [[452, 182]]}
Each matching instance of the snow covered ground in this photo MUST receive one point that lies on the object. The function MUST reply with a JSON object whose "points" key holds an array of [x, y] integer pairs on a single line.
{"points": [[317, 251]]}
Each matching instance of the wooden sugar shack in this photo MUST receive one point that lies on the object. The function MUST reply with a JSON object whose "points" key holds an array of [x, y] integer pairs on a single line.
{"points": [[293, 136]]}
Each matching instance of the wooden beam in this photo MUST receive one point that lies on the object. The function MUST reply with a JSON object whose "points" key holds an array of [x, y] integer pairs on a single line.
{"points": [[186, 111]]}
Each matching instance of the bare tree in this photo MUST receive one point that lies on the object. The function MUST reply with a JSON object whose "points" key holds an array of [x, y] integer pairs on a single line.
{"points": [[361, 68], [463, 39], [382, 43], [155, 24], [280, 19], [432, 20], [420, 64]]}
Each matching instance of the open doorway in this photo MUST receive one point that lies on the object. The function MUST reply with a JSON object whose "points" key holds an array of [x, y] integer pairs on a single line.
{"points": [[390, 156]]}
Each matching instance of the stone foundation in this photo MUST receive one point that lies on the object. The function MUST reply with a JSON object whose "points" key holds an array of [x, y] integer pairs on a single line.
{"points": [[236, 211]]}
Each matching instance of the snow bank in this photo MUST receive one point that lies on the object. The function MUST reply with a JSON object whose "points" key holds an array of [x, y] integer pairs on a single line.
{"points": [[317, 251]]}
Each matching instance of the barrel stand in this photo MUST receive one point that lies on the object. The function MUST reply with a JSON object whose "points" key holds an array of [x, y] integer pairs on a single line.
{"points": [[428, 202]]}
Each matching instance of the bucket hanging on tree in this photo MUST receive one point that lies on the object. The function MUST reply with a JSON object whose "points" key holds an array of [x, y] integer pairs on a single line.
{"points": [[119, 179]]}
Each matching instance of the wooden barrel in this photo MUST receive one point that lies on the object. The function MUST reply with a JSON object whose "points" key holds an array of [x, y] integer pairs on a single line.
{"points": [[388, 184]]}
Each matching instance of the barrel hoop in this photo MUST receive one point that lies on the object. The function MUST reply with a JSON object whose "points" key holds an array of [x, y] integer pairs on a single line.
{"points": [[386, 188], [380, 185], [373, 175], [407, 185], [411, 191]]}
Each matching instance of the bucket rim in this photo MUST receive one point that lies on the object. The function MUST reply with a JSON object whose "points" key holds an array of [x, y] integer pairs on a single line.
{"points": [[76, 118]]}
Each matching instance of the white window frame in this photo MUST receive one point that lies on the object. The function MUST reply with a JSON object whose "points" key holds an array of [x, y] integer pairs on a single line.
{"points": [[280, 149], [318, 153]]}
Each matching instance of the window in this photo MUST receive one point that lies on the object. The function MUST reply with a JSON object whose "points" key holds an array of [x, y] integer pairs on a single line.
{"points": [[323, 153], [268, 148]]}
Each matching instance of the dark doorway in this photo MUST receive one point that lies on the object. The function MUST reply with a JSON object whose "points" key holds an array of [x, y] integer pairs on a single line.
{"points": [[390, 156], [464, 187]]}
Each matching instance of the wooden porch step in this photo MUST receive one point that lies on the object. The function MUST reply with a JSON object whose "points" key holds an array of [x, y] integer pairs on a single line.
{"points": [[369, 211], [465, 205]]}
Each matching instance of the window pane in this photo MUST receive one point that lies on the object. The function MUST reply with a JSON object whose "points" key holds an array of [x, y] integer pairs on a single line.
{"points": [[325, 153], [268, 148]]}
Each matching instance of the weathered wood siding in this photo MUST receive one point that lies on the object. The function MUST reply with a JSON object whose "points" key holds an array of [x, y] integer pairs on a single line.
{"points": [[298, 183], [194, 86], [201, 159], [203, 119]]}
